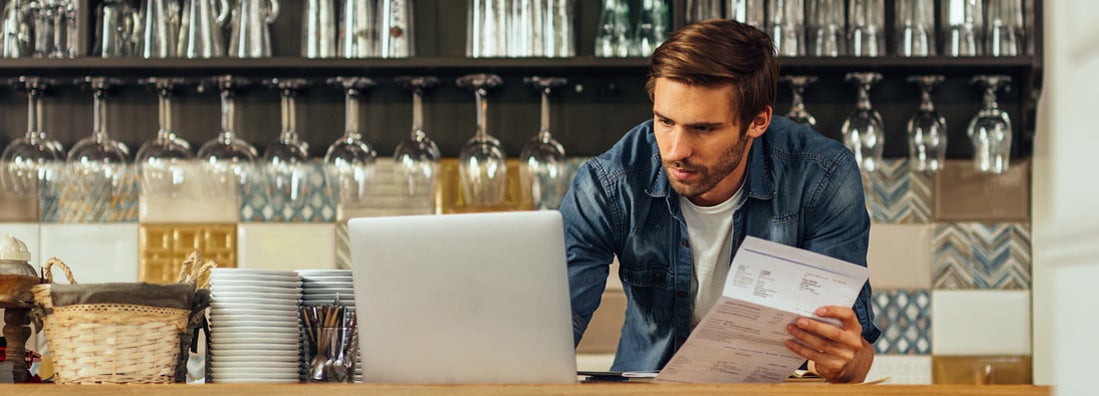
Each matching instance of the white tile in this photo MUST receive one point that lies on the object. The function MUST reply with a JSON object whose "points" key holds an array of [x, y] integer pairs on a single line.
{"points": [[980, 322], [97, 253], [901, 369], [900, 256], [29, 234], [198, 200], [286, 246]]}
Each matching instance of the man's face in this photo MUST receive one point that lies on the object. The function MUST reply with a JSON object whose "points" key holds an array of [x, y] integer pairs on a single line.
{"points": [[702, 143]]}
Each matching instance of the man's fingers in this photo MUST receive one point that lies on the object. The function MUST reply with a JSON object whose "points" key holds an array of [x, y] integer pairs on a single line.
{"points": [[827, 366], [831, 332], [822, 344]]}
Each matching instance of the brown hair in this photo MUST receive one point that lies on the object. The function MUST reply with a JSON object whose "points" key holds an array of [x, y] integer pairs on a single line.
{"points": [[720, 51]]}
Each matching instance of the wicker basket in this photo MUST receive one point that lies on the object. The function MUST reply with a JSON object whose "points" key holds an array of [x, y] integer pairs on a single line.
{"points": [[116, 343]]}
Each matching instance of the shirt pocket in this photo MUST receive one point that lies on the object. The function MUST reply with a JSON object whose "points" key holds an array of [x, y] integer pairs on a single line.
{"points": [[650, 293]]}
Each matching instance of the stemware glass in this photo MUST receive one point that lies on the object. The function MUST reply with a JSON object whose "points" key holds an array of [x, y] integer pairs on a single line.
{"points": [[990, 130], [559, 28], [162, 161], [416, 159], [915, 27], [349, 162], [97, 164], [286, 160], [964, 22], [797, 111], [542, 167], [701, 10], [33, 159], [748, 11], [612, 39], [863, 131], [652, 27], [395, 21], [228, 159], [482, 164], [786, 25], [1005, 28], [866, 27], [926, 129], [826, 28]]}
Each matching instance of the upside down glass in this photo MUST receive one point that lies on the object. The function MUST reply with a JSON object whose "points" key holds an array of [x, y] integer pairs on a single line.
{"points": [[863, 131], [797, 111], [786, 25], [416, 159], [926, 130], [34, 159], [750, 12], [963, 21], [1006, 35], [866, 27], [612, 37], [97, 164], [286, 160], [227, 159], [990, 130], [482, 164], [349, 161], [915, 27], [827, 33], [162, 161], [542, 167]]}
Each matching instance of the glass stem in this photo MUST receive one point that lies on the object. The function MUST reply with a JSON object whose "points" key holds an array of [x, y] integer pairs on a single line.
{"points": [[925, 99], [482, 108], [99, 115], [545, 111], [228, 115], [34, 114], [417, 113], [864, 97], [289, 116], [990, 97], [351, 109], [798, 104], [165, 107]]}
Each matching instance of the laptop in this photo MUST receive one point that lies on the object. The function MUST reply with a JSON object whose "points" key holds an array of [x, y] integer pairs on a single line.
{"points": [[463, 298]]}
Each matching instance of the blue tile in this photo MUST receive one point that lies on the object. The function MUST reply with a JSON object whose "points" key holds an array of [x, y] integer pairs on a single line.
{"points": [[981, 256], [895, 194], [318, 207], [904, 317]]}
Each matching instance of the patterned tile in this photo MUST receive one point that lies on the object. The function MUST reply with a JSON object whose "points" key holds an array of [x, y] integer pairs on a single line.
{"points": [[905, 320], [165, 246], [76, 201], [318, 206], [389, 195], [894, 194], [981, 256], [343, 246]]}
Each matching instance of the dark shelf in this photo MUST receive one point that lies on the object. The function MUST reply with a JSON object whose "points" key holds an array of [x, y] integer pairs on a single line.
{"points": [[452, 65]]}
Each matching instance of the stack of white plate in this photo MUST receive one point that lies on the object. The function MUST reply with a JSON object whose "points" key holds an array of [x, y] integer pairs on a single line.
{"points": [[322, 287], [254, 326]]}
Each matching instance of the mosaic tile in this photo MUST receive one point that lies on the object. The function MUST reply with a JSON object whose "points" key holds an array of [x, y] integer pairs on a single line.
{"points": [[905, 320], [894, 194], [343, 246], [317, 207], [165, 246], [388, 195], [981, 256], [67, 201], [198, 199]]}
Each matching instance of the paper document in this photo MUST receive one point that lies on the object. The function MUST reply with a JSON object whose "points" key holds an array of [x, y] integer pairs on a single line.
{"points": [[769, 286]]}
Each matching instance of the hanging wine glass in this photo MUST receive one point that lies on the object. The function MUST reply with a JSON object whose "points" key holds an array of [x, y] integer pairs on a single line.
{"points": [[542, 168], [926, 130], [416, 159], [797, 111], [990, 130], [161, 162], [34, 159], [863, 131], [227, 159], [349, 162], [286, 160], [482, 164], [97, 164]]}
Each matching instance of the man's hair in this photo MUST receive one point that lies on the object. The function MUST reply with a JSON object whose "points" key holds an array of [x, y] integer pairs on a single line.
{"points": [[717, 52]]}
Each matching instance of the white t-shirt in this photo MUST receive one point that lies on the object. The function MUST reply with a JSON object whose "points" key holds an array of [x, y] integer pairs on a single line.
{"points": [[709, 229]]}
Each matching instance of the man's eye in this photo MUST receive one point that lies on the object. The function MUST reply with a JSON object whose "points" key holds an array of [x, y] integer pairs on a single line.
{"points": [[704, 129], [665, 122]]}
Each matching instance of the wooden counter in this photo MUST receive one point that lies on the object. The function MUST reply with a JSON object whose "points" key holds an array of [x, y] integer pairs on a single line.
{"points": [[492, 390]]}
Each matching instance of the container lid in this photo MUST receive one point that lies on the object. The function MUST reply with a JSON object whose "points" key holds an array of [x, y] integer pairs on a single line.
{"points": [[12, 249]]}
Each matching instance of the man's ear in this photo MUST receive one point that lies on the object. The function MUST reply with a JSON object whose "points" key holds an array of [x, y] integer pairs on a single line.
{"points": [[758, 125]]}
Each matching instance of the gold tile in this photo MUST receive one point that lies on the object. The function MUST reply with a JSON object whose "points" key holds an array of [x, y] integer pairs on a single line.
{"points": [[18, 210], [981, 370], [962, 194], [451, 200], [165, 246], [605, 327]]}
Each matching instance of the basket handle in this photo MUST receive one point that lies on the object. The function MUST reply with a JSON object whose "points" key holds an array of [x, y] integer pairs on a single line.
{"points": [[47, 274], [193, 272]]}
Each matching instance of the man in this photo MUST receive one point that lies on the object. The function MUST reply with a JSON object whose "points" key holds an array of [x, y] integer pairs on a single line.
{"points": [[674, 198]]}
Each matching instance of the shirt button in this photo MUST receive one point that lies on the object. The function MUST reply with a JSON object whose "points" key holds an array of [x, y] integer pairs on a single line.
{"points": [[681, 294], [686, 243], [658, 278]]}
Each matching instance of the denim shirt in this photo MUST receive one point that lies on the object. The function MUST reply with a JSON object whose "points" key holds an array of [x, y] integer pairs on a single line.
{"points": [[802, 189]]}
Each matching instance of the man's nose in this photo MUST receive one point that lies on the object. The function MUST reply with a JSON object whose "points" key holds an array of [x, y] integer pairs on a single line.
{"points": [[679, 145]]}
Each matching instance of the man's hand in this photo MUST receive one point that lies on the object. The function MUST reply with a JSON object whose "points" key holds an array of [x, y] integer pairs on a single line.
{"points": [[839, 354]]}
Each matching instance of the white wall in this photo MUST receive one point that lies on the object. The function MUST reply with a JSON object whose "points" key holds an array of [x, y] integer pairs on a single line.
{"points": [[1066, 201]]}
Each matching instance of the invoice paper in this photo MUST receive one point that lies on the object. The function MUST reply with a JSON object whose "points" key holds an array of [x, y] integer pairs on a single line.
{"points": [[769, 286]]}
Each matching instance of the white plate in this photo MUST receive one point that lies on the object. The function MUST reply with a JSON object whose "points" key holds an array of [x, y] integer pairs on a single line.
{"points": [[279, 313], [223, 318], [323, 272], [257, 354], [226, 330], [272, 365], [254, 282], [252, 345], [238, 296], [269, 323], [271, 303], [280, 339], [230, 358], [251, 272], [327, 289], [254, 372], [289, 289], [235, 305]]}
